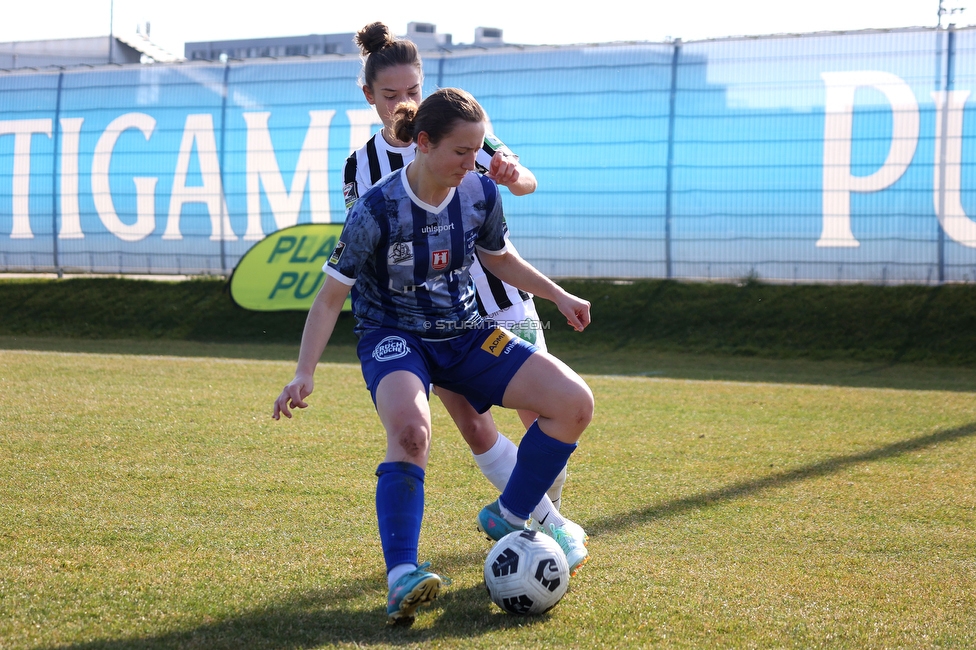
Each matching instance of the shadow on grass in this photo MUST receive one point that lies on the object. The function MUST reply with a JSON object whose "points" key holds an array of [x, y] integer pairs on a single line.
{"points": [[320, 617], [775, 480], [323, 618]]}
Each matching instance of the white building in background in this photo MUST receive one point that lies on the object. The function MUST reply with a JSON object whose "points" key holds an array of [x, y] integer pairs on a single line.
{"points": [[94, 50], [138, 48], [425, 35]]}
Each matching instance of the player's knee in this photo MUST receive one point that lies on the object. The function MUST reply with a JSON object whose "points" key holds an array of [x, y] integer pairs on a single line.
{"points": [[479, 431], [580, 406], [414, 440]]}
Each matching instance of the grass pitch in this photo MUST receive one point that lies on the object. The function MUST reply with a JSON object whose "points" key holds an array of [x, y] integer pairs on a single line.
{"points": [[149, 501]]}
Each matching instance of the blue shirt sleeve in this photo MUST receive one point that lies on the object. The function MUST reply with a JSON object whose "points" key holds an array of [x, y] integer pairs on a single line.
{"points": [[357, 244], [493, 234]]}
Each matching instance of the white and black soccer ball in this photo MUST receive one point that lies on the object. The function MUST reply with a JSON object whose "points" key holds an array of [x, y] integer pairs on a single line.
{"points": [[526, 573]]}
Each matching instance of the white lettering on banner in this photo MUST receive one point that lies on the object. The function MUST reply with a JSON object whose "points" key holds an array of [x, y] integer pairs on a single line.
{"points": [[22, 130], [312, 169], [70, 212], [361, 123], [838, 181], [199, 129], [948, 166], [101, 188]]}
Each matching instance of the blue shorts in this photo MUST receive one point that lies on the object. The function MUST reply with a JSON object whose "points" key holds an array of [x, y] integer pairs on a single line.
{"points": [[478, 364]]}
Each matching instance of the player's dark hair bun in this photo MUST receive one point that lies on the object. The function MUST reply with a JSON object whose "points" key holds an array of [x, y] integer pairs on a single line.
{"points": [[373, 38], [437, 115], [381, 50], [404, 120]]}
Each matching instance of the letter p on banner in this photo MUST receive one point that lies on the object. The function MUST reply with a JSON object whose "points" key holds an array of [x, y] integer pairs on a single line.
{"points": [[838, 180]]}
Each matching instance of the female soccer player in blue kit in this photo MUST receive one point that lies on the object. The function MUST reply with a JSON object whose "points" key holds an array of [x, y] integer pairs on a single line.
{"points": [[405, 251], [393, 73]]}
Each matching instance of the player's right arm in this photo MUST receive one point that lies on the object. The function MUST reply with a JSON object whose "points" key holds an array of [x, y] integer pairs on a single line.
{"points": [[319, 325], [356, 243]]}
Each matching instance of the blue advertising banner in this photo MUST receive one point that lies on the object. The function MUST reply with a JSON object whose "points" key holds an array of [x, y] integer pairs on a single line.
{"points": [[815, 158]]}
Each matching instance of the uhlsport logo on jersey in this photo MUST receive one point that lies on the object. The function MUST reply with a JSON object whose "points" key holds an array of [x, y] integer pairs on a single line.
{"points": [[434, 228], [440, 259], [497, 341], [392, 347]]}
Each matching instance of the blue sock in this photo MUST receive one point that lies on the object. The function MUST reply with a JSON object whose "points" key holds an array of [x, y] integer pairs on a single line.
{"points": [[399, 511], [540, 460]]}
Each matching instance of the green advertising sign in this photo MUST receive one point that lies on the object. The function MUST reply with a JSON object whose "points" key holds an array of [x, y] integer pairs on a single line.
{"points": [[283, 271]]}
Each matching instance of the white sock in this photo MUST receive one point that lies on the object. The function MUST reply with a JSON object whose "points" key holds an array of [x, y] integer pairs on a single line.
{"points": [[546, 513], [555, 493], [508, 516], [497, 465], [398, 572], [498, 462]]}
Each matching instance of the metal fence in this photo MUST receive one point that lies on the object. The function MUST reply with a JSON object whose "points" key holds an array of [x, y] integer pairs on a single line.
{"points": [[814, 158]]}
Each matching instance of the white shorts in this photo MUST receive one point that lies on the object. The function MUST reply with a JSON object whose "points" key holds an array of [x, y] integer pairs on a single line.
{"points": [[522, 319]]}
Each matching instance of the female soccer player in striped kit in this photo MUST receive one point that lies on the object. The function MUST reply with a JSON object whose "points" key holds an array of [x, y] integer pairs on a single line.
{"points": [[393, 73], [406, 252]]}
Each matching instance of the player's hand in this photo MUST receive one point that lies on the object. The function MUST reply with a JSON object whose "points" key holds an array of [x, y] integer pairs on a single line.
{"points": [[576, 310], [503, 169], [293, 396]]}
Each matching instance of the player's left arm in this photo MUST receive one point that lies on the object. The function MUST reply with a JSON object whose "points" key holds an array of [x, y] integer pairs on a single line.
{"points": [[508, 171], [508, 266]]}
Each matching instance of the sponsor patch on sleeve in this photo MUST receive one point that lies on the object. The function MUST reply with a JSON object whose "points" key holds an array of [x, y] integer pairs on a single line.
{"points": [[350, 194], [337, 253], [497, 341]]}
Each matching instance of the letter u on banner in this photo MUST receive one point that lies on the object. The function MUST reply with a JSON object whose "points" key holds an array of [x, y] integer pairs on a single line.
{"points": [[948, 166]]}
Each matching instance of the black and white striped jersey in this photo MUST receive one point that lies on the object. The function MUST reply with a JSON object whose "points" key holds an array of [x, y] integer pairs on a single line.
{"points": [[368, 164], [375, 159]]}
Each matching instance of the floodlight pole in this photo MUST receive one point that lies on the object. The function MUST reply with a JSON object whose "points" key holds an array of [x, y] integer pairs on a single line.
{"points": [[943, 11], [111, 21]]}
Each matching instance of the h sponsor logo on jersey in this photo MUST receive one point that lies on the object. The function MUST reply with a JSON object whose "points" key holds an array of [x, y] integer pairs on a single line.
{"points": [[497, 341], [337, 253], [440, 259], [401, 253], [390, 348]]}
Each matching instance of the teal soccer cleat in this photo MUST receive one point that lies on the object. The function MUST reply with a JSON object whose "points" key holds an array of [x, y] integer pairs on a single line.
{"points": [[492, 524], [574, 547], [419, 587]]}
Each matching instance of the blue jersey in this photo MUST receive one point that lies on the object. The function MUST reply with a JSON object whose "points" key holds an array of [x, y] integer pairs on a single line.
{"points": [[408, 262]]}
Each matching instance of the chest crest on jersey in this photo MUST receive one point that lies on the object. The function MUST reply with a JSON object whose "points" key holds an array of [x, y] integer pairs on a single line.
{"points": [[439, 260], [400, 253]]}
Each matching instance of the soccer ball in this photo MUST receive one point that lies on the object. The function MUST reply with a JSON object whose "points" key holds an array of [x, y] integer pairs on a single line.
{"points": [[526, 573]]}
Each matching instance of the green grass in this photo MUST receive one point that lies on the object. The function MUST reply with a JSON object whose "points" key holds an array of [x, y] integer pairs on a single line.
{"points": [[148, 501], [769, 466]]}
